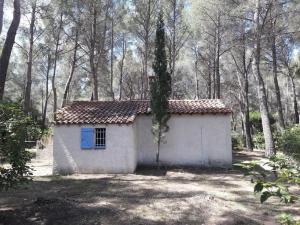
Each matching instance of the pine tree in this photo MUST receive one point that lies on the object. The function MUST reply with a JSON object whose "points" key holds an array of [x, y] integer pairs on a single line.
{"points": [[160, 88]]}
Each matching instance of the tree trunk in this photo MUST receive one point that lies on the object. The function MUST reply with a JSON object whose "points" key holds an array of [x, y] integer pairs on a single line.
{"points": [[92, 55], [55, 64], [296, 112], [249, 144], [209, 81], [95, 63], [173, 55], [269, 143], [47, 90], [73, 66], [95, 81], [142, 83], [146, 54], [214, 68], [122, 67], [1, 14], [8, 45], [218, 78], [158, 148], [196, 79], [276, 85], [27, 101], [248, 138], [112, 60]]}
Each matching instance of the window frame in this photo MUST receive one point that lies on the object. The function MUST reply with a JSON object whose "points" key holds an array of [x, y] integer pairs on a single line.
{"points": [[100, 136]]}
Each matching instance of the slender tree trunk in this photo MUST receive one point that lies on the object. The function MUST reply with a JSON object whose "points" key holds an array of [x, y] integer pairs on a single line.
{"points": [[144, 81], [8, 45], [196, 79], [95, 64], [214, 66], [122, 67], [47, 92], [112, 60], [276, 85], [218, 78], [73, 66], [248, 138], [95, 80], [92, 55], [209, 81], [55, 65], [27, 101], [296, 112], [173, 55], [242, 109], [1, 14], [146, 54], [249, 144], [158, 148], [269, 143]]}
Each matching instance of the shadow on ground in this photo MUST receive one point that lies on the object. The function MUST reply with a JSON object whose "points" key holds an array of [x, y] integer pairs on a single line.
{"points": [[171, 196]]}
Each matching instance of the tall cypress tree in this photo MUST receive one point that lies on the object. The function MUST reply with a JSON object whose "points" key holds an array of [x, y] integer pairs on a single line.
{"points": [[160, 88]]}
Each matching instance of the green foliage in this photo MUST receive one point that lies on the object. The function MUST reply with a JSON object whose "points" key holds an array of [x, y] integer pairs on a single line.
{"points": [[160, 85], [259, 140], [290, 141], [255, 120], [287, 219], [256, 123], [237, 141], [273, 179], [15, 128], [47, 132]]}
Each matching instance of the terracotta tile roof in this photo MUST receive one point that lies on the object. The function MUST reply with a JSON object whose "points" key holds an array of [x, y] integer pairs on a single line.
{"points": [[124, 112]]}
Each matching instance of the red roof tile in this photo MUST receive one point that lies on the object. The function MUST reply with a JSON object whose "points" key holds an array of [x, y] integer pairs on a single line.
{"points": [[124, 112]]}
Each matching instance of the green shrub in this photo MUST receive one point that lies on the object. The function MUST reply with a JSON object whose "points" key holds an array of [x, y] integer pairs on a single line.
{"points": [[287, 219], [273, 179], [259, 140], [290, 141], [237, 141], [15, 128], [255, 120], [256, 123]]}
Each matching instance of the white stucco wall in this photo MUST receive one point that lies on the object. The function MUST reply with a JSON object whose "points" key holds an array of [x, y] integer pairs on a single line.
{"points": [[119, 156], [201, 140]]}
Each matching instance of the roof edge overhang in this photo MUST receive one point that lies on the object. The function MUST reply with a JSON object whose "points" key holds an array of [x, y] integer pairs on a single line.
{"points": [[229, 112]]}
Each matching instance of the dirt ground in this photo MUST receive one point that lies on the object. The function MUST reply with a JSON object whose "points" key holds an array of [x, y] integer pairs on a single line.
{"points": [[173, 196]]}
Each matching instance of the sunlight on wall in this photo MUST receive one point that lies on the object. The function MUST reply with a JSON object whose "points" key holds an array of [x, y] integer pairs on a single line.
{"points": [[71, 162]]}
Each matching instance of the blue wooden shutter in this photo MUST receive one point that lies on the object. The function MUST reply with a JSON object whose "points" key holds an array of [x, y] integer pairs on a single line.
{"points": [[87, 138]]}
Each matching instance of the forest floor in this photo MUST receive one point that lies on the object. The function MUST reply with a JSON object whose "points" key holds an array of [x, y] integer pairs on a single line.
{"points": [[175, 196]]}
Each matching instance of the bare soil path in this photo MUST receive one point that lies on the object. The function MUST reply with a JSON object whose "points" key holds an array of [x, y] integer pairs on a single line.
{"points": [[174, 196]]}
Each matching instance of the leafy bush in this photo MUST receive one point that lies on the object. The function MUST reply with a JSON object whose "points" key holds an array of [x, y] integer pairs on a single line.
{"points": [[256, 123], [15, 128], [273, 179], [237, 141], [255, 120], [290, 141], [259, 140], [287, 219]]}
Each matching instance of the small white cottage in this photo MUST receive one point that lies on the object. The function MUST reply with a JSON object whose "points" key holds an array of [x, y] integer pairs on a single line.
{"points": [[115, 136]]}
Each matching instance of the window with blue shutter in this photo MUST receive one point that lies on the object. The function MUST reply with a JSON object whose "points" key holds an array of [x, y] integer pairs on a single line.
{"points": [[87, 138]]}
